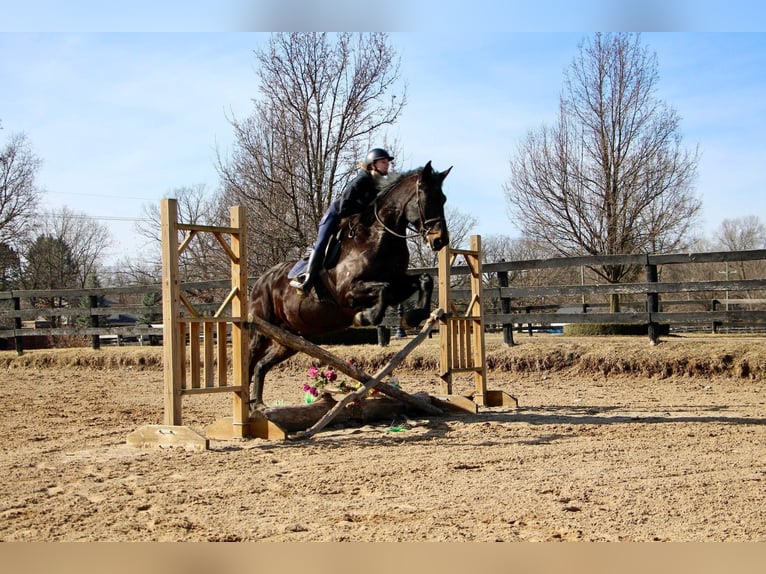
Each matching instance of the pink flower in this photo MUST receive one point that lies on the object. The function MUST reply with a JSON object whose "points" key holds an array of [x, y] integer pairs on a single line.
{"points": [[313, 372], [330, 375]]}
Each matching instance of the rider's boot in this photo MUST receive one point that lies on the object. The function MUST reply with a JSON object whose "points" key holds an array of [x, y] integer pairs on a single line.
{"points": [[312, 271]]}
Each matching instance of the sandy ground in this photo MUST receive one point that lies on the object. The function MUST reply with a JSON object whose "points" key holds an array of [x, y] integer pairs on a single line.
{"points": [[581, 459]]}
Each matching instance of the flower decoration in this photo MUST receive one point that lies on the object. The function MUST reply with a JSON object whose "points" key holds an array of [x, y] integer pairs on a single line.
{"points": [[320, 379]]}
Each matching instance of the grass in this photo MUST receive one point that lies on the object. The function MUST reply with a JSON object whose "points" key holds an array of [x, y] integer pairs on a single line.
{"points": [[684, 355]]}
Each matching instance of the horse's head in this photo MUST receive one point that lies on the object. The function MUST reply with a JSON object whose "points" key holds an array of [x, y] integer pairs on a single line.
{"points": [[430, 207], [415, 199]]}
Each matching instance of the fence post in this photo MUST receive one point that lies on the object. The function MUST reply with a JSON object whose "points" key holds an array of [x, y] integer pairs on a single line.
{"points": [[17, 325], [652, 303], [716, 324], [505, 307], [95, 340], [529, 325]]}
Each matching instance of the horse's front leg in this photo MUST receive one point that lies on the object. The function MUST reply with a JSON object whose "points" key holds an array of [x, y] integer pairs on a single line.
{"points": [[374, 296], [414, 317]]}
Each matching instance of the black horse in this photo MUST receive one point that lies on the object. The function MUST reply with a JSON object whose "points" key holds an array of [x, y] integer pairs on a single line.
{"points": [[370, 275]]}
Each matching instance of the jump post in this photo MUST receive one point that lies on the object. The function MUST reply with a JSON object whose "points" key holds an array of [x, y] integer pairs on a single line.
{"points": [[462, 336]]}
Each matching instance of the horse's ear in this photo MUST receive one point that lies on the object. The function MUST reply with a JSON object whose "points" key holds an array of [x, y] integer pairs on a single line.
{"points": [[444, 174], [427, 171]]}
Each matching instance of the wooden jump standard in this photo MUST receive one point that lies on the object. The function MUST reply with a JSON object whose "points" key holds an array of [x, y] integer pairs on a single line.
{"points": [[207, 373], [462, 336]]}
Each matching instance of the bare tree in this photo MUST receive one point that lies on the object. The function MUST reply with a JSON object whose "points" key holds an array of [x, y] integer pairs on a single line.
{"points": [[610, 176], [741, 233], [204, 258], [496, 248], [79, 243], [19, 194], [322, 100], [459, 224]]}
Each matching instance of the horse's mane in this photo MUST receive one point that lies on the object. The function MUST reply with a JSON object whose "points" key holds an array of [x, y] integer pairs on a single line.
{"points": [[386, 185]]}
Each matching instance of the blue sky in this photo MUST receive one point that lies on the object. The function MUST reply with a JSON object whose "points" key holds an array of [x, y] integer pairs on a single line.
{"points": [[122, 111]]}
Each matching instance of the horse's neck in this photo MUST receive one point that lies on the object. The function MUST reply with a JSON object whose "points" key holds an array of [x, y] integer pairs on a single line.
{"points": [[392, 211]]}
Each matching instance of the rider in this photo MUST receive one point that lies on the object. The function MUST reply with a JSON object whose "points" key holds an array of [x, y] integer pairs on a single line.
{"points": [[357, 195]]}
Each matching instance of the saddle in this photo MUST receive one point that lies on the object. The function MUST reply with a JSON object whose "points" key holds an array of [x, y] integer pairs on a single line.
{"points": [[330, 260]]}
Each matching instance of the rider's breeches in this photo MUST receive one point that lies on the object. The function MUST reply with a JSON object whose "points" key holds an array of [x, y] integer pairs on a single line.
{"points": [[327, 227]]}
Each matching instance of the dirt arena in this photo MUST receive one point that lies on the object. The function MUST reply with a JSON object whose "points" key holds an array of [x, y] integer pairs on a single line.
{"points": [[589, 455]]}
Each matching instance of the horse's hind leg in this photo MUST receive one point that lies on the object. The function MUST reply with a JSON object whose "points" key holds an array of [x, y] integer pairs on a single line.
{"points": [[259, 367], [414, 317]]}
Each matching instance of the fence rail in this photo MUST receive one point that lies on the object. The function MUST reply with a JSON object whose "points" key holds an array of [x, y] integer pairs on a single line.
{"points": [[505, 304]]}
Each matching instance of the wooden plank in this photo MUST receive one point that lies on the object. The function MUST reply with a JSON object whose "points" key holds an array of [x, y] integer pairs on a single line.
{"points": [[222, 363], [181, 351], [477, 312], [211, 228], [642, 317], [195, 365], [208, 359], [213, 390], [507, 266], [171, 304], [624, 289], [239, 307], [165, 436]]}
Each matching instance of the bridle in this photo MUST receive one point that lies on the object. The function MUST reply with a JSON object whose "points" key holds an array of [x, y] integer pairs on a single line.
{"points": [[426, 225]]}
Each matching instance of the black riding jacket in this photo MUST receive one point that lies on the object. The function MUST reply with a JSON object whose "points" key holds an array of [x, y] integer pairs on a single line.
{"points": [[358, 194]]}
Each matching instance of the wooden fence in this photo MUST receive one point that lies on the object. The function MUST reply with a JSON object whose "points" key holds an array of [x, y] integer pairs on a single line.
{"points": [[509, 305], [516, 305]]}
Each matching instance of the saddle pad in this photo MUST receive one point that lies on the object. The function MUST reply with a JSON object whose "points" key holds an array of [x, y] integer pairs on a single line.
{"points": [[299, 268]]}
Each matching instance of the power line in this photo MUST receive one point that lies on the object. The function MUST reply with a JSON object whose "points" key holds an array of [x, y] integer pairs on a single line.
{"points": [[101, 195], [100, 217]]}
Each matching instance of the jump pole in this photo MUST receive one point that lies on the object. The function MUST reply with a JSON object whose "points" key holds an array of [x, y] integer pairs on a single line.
{"points": [[462, 336]]}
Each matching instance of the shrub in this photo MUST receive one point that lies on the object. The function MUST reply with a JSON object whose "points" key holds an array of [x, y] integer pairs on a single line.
{"points": [[592, 329]]}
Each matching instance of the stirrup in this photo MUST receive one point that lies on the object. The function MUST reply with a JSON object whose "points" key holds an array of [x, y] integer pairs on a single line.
{"points": [[297, 282]]}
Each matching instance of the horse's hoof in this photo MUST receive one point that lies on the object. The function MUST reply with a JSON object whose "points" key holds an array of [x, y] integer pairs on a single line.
{"points": [[256, 405], [360, 320]]}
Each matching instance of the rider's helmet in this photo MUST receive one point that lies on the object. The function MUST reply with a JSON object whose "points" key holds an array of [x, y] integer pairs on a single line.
{"points": [[374, 155]]}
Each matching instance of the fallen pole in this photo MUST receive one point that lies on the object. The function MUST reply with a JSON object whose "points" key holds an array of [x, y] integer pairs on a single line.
{"points": [[373, 382], [300, 344]]}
